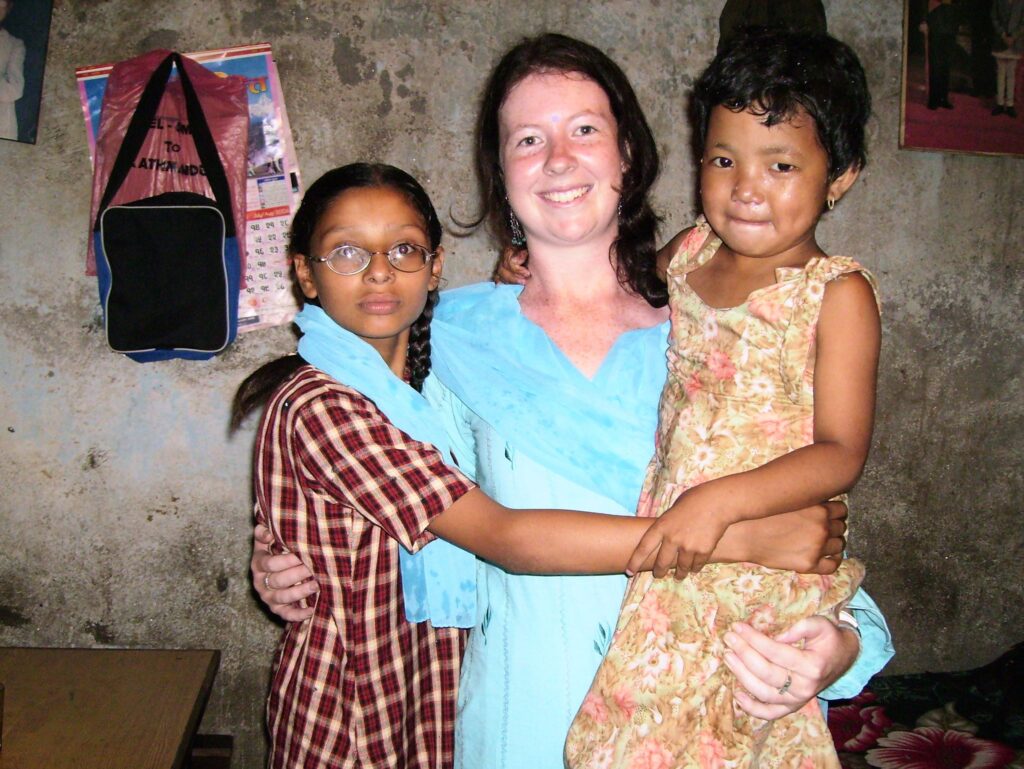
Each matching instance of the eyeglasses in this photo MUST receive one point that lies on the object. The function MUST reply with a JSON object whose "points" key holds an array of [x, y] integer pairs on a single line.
{"points": [[351, 260]]}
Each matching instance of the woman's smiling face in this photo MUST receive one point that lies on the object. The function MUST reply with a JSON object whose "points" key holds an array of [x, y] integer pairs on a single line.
{"points": [[560, 158]]}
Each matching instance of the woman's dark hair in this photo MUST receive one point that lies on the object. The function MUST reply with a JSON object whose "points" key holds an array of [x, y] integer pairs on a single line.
{"points": [[260, 384], [634, 250], [775, 73]]}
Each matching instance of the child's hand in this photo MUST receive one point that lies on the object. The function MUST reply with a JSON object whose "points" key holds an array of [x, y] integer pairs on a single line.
{"points": [[684, 536], [511, 267]]}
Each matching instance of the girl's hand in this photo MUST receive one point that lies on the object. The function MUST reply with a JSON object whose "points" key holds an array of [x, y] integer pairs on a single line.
{"points": [[511, 267], [685, 535], [282, 581], [783, 674]]}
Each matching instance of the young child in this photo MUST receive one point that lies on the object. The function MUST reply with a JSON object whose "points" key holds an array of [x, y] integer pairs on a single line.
{"points": [[768, 406], [352, 472]]}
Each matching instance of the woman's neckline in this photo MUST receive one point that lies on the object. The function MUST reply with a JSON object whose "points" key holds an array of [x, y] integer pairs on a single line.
{"points": [[602, 368]]}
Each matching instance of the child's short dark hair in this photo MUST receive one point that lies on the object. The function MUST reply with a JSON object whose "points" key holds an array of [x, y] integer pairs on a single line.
{"points": [[776, 73]]}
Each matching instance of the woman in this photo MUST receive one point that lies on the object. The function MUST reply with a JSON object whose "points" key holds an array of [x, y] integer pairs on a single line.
{"points": [[555, 400]]}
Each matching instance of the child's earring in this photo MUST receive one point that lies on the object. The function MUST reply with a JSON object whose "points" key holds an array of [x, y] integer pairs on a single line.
{"points": [[831, 203]]}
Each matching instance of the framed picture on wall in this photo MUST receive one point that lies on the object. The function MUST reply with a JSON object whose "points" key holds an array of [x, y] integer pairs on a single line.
{"points": [[963, 76], [24, 33]]}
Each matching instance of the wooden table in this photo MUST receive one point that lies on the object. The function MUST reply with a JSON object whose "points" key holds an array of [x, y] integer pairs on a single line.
{"points": [[102, 708]]}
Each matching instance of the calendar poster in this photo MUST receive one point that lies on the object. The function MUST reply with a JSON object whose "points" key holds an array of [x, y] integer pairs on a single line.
{"points": [[273, 185]]}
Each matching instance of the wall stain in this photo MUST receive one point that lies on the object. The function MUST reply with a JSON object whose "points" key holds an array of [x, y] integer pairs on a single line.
{"points": [[159, 38], [384, 108], [12, 617], [351, 64], [94, 458], [102, 632]]}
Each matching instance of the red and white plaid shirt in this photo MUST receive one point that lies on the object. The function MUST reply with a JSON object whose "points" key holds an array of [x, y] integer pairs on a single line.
{"points": [[343, 488]]}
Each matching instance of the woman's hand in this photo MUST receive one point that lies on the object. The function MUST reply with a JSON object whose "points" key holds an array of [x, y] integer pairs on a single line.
{"points": [[511, 267], [282, 581], [783, 674]]}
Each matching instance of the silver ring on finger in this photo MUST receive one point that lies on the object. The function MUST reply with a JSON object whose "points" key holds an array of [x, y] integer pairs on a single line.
{"points": [[266, 581], [789, 682]]}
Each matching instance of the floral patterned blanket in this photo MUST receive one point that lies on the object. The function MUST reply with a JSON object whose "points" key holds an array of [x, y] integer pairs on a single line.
{"points": [[970, 719]]}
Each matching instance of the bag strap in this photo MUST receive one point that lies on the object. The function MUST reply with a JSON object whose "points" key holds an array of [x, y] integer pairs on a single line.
{"points": [[143, 116]]}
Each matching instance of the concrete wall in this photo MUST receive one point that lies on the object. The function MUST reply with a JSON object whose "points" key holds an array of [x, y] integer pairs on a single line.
{"points": [[125, 507]]}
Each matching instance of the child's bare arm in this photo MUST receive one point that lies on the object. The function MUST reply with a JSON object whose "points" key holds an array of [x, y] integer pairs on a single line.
{"points": [[667, 251], [511, 267], [572, 542], [848, 339]]}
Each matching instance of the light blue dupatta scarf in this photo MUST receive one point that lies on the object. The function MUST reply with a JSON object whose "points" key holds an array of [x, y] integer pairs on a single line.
{"points": [[439, 581], [596, 432]]}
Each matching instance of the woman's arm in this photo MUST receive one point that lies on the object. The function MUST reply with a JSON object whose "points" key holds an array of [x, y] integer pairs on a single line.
{"points": [[876, 648], [846, 364]]}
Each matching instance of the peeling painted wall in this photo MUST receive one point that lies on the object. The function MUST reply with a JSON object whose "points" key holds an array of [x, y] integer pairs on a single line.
{"points": [[125, 507]]}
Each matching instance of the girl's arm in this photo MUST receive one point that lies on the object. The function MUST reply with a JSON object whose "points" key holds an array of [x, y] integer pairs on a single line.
{"points": [[511, 267], [809, 541], [667, 251], [846, 364], [574, 542]]}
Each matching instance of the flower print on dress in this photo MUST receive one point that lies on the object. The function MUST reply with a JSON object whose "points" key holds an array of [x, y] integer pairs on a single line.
{"points": [[711, 752], [721, 365], [763, 619], [653, 617], [767, 308], [772, 426], [594, 707], [693, 385], [748, 584], [929, 747], [650, 668], [651, 755], [603, 758], [625, 701], [710, 326]]}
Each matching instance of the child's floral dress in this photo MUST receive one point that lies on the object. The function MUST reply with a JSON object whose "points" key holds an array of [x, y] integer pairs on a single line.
{"points": [[739, 393]]}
